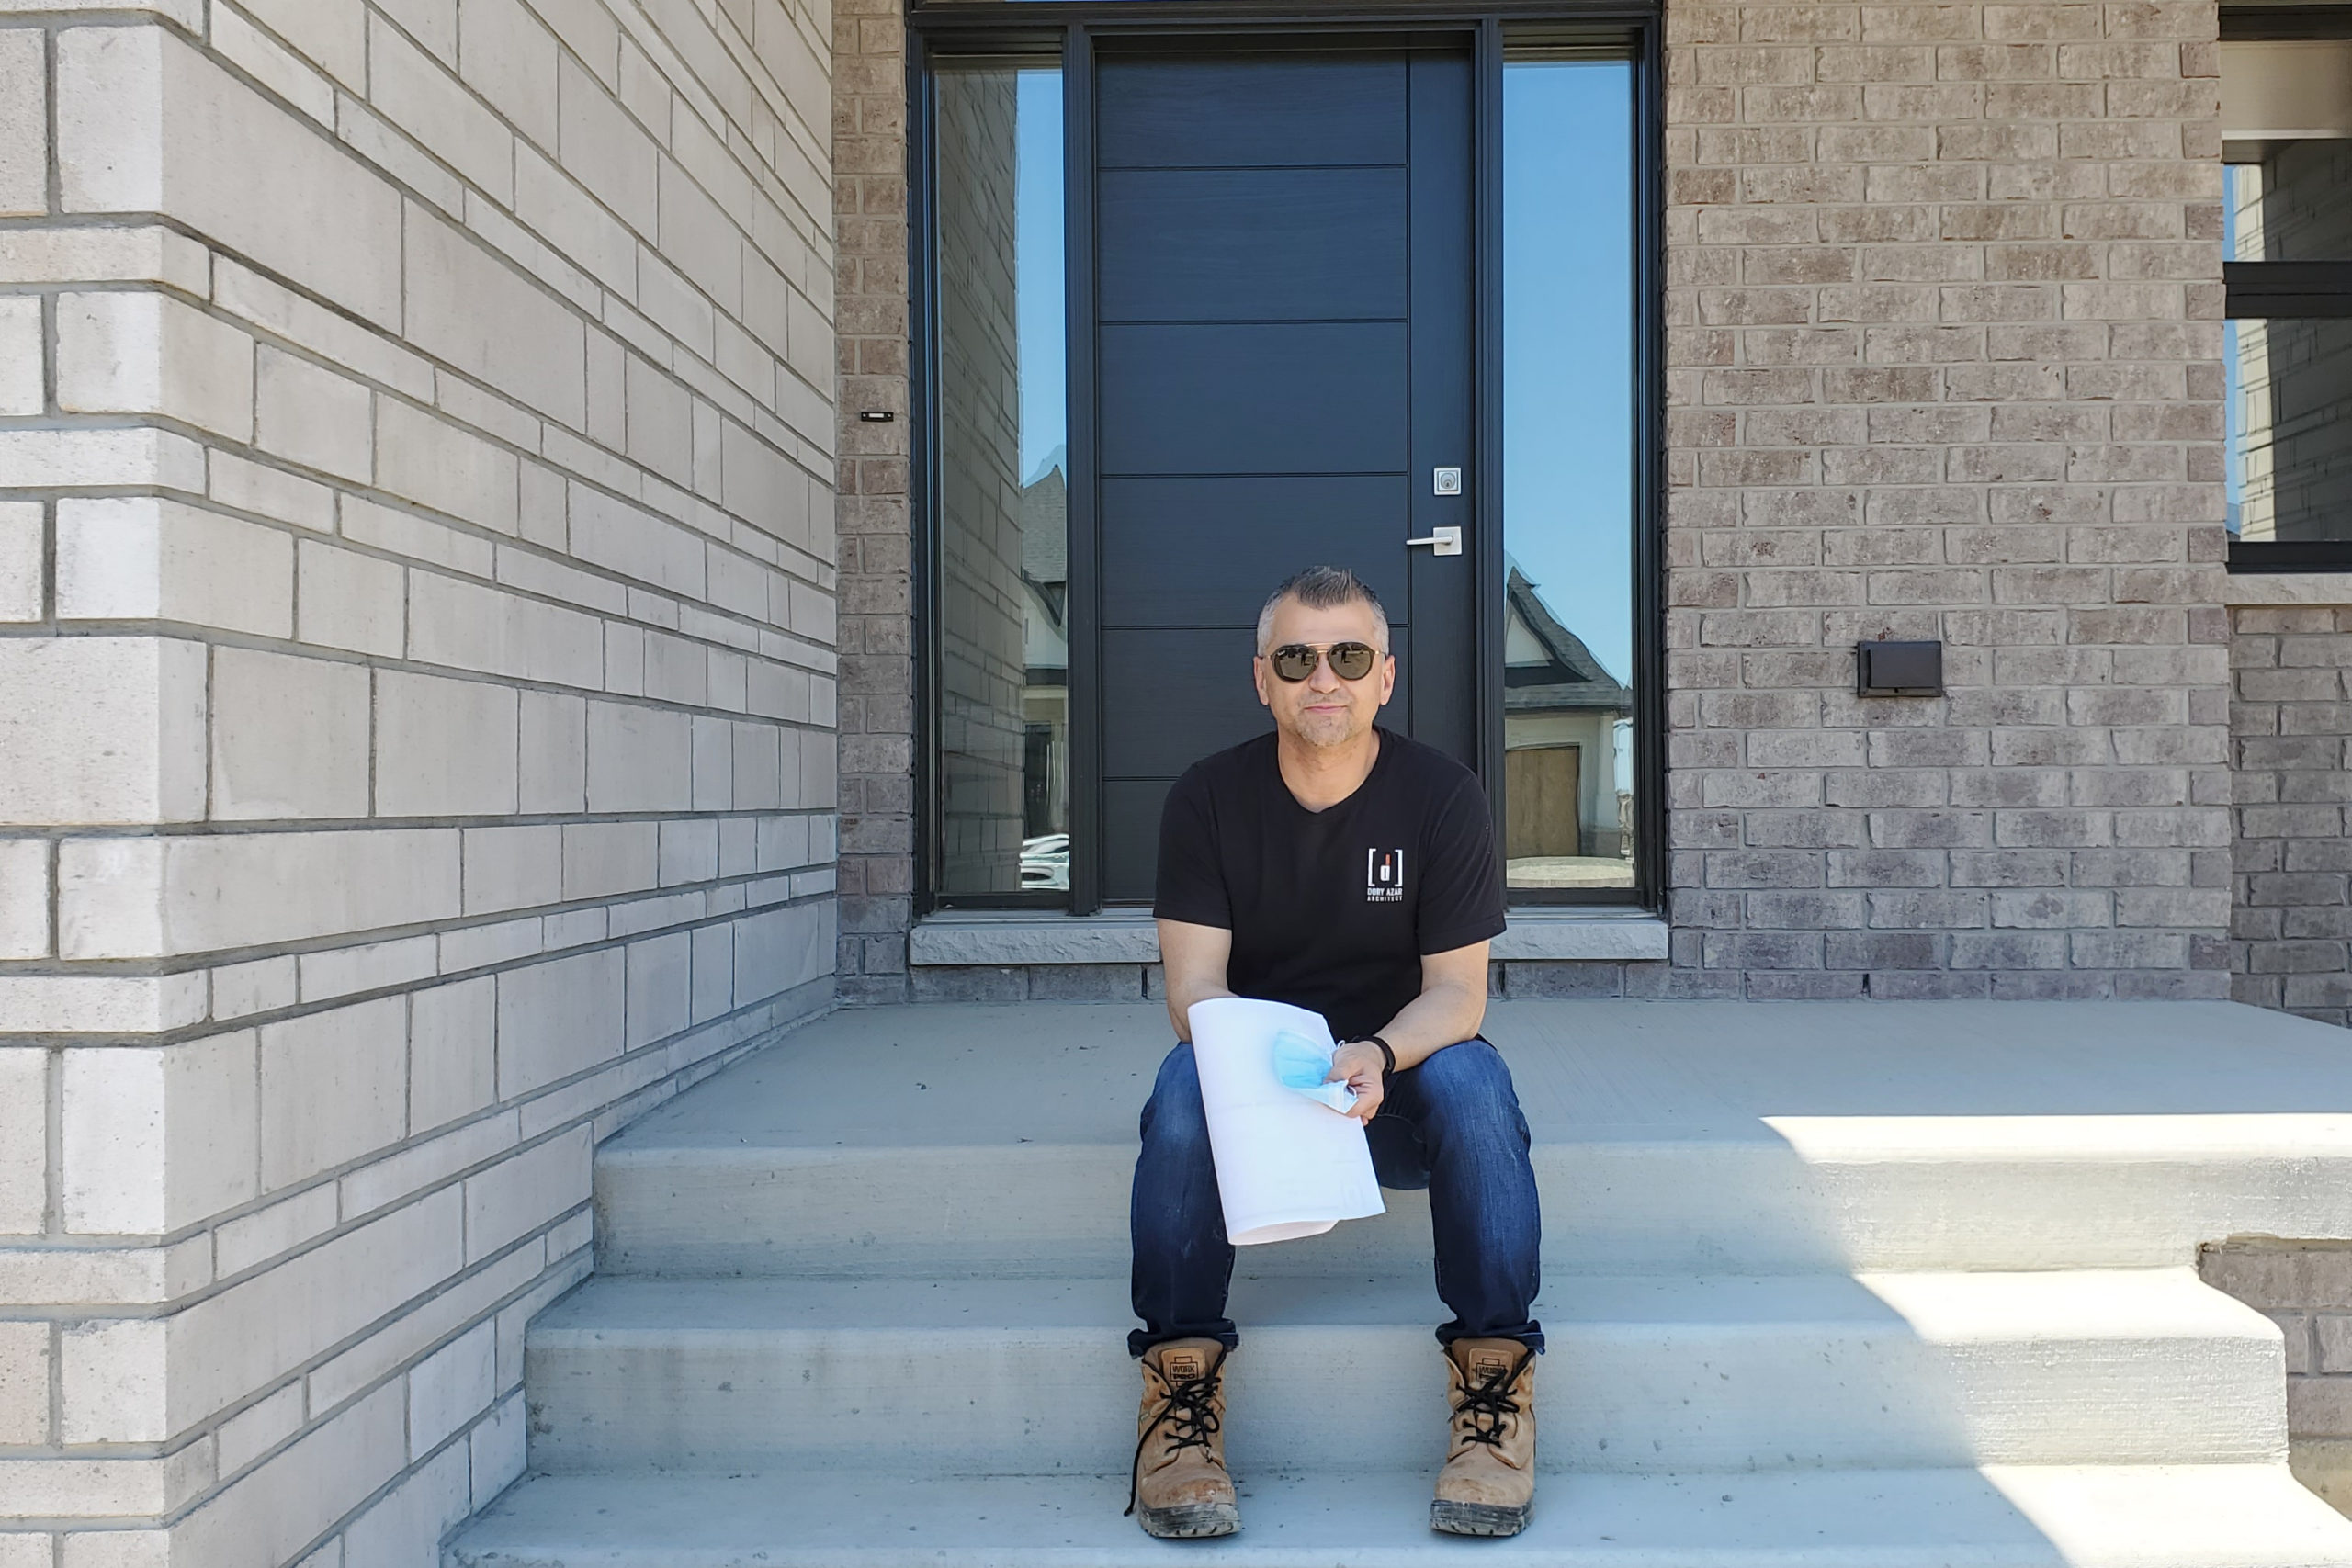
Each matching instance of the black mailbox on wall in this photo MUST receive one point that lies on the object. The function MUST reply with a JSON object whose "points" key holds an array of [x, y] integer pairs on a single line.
{"points": [[1899, 669]]}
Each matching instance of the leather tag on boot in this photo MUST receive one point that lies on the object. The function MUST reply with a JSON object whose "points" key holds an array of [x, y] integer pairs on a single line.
{"points": [[1486, 1363], [1183, 1366]]}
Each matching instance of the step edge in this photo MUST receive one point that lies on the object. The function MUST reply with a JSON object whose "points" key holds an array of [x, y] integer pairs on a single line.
{"points": [[2159, 1304]]}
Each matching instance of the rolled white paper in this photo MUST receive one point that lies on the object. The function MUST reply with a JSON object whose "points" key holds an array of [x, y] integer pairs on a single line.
{"points": [[1285, 1165]]}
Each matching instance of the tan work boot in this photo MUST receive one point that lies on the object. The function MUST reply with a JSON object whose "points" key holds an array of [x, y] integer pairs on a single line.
{"points": [[1179, 1488], [1487, 1486]]}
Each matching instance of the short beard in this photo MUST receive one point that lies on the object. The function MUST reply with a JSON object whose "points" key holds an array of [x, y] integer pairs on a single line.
{"points": [[1344, 730]]}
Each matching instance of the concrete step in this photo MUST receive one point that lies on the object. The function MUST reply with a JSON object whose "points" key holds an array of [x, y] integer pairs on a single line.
{"points": [[1817, 1273], [2099, 1516], [1643, 1373], [1669, 1138], [1869, 1193]]}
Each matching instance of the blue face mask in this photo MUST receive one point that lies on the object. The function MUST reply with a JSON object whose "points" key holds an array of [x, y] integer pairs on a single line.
{"points": [[1301, 1065]]}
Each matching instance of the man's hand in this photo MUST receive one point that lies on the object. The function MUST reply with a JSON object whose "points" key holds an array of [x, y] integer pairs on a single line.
{"points": [[1358, 1065]]}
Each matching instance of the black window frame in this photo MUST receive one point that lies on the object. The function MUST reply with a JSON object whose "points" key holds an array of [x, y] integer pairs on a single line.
{"points": [[2259, 289], [1067, 29]]}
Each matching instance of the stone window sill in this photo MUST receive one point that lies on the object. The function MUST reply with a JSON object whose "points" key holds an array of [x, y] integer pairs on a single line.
{"points": [[2287, 588], [1022, 936]]}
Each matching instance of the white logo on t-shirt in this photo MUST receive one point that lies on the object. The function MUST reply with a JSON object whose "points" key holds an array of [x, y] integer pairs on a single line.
{"points": [[1384, 876]]}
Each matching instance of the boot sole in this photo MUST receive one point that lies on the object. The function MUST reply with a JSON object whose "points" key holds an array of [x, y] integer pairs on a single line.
{"points": [[1194, 1521], [1477, 1518]]}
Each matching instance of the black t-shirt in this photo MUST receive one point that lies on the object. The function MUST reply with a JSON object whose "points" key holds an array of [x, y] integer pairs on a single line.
{"points": [[1332, 910]]}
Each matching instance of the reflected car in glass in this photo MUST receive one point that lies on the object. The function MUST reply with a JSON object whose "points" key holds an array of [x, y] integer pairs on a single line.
{"points": [[1044, 862]]}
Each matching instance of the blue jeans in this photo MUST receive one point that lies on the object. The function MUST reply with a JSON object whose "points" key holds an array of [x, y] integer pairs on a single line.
{"points": [[1452, 1124]]}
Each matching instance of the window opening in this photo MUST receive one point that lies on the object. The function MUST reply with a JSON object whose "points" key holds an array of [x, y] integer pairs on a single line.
{"points": [[1569, 513], [1001, 667], [2287, 347]]}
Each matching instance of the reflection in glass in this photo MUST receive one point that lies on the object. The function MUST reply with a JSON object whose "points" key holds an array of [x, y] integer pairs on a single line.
{"points": [[1567, 800], [2286, 136], [1003, 539], [2290, 401]]}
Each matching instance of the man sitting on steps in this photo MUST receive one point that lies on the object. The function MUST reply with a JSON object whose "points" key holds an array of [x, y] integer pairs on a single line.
{"points": [[1341, 867]]}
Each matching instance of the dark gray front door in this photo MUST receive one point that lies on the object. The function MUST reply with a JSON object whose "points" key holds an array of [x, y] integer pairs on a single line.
{"points": [[1284, 336]]}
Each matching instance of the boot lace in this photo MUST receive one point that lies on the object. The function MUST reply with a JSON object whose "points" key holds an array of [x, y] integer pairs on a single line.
{"points": [[1191, 1417], [1487, 1401]]}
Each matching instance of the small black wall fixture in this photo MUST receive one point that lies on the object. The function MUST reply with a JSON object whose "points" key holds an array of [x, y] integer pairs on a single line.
{"points": [[1899, 669]]}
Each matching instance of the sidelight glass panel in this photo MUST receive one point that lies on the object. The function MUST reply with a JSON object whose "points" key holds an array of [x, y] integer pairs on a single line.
{"points": [[2287, 222], [1003, 651], [1568, 513], [2290, 412]]}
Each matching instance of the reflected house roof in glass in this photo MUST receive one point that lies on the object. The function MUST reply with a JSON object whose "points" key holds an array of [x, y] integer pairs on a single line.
{"points": [[1045, 572], [1558, 671], [1045, 526]]}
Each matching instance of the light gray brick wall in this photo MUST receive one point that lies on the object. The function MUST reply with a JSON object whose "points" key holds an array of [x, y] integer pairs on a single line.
{"points": [[2291, 923], [417, 669], [1944, 341]]}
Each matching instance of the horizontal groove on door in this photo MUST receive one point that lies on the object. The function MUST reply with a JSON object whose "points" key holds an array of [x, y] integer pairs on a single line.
{"points": [[1199, 695], [1256, 245], [1251, 320], [1229, 398], [1195, 168], [1261, 109], [1131, 835], [1256, 474], [1395, 627], [1205, 550]]}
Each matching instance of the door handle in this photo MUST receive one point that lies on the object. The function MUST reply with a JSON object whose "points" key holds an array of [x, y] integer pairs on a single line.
{"points": [[1445, 541]]}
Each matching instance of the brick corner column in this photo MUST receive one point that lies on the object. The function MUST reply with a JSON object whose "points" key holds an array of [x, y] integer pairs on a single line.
{"points": [[877, 711]]}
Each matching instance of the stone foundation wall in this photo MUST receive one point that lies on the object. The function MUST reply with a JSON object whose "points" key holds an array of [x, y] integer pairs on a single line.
{"points": [[416, 699], [1142, 982]]}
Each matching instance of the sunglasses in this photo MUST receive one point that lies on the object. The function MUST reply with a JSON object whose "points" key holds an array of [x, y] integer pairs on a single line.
{"points": [[1349, 661]]}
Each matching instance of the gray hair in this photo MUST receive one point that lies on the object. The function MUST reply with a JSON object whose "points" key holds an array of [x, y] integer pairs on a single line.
{"points": [[1322, 588]]}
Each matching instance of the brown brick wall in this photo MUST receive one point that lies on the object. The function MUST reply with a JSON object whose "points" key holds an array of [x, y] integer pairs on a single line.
{"points": [[2291, 924], [1944, 319], [876, 587]]}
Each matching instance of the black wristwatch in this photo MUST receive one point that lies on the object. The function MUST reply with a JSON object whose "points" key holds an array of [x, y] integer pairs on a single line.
{"points": [[1387, 1056]]}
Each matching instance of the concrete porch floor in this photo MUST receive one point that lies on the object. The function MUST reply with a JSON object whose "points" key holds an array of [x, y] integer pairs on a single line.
{"points": [[1060, 1072]]}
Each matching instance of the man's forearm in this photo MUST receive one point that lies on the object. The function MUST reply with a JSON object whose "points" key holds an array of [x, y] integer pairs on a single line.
{"points": [[1183, 995], [1442, 1015], [1192, 966]]}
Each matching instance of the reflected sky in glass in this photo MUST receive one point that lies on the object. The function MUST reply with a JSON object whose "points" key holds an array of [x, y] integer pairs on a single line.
{"points": [[1568, 343], [1037, 255]]}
